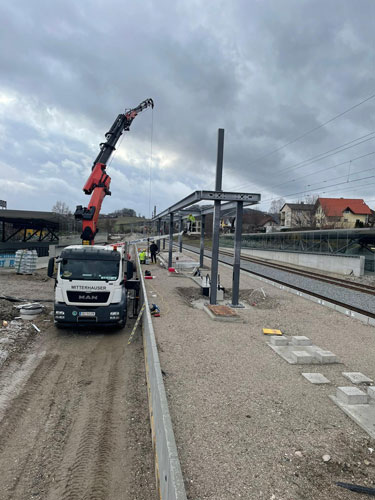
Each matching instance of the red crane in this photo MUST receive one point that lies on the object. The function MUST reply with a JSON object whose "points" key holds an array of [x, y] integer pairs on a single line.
{"points": [[99, 181]]}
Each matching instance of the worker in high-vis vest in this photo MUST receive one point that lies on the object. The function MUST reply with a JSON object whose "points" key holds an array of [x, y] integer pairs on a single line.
{"points": [[191, 220], [142, 257]]}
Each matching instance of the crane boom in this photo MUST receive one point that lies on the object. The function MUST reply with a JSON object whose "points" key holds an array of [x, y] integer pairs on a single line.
{"points": [[99, 181]]}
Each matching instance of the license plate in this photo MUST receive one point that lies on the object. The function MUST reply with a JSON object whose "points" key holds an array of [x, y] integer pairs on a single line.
{"points": [[87, 313]]}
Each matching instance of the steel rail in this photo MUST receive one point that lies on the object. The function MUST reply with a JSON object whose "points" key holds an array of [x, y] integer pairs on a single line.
{"points": [[358, 287], [363, 312]]}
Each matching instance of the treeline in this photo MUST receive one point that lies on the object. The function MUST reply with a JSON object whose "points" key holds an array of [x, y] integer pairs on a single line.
{"points": [[123, 212]]}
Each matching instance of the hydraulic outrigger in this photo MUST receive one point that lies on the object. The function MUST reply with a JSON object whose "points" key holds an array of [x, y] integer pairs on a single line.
{"points": [[99, 181]]}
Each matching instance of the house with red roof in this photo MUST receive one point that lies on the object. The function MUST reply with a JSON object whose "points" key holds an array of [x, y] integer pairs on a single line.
{"points": [[341, 213]]}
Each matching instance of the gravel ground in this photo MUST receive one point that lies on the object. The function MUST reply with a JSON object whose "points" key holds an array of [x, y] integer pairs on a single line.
{"points": [[247, 424], [349, 297]]}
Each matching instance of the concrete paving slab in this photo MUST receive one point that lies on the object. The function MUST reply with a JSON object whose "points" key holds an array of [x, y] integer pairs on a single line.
{"points": [[357, 377], [325, 357], [286, 352], [371, 394], [301, 340], [275, 340], [316, 378], [351, 395], [302, 357], [362, 414]]}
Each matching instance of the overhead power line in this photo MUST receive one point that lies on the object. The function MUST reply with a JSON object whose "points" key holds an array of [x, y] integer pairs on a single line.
{"points": [[322, 156], [321, 187], [347, 162], [325, 169], [313, 129]]}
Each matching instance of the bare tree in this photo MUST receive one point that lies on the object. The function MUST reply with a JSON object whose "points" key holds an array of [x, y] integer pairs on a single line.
{"points": [[311, 198], [60, 207], [276, 205], [304, 219]]}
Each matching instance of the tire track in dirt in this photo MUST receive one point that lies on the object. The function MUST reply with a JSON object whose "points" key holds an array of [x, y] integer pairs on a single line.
{"points": [[15, 412], [38, 473], [87, 476], [70, 432], [34, 471], [104, 444], [13, 383]]}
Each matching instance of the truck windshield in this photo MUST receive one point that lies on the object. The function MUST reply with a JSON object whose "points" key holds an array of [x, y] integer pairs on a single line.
{"points": [[76, 269]]}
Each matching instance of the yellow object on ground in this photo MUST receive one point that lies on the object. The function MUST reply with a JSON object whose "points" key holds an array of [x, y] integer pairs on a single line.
{"points": [[270, 331]]}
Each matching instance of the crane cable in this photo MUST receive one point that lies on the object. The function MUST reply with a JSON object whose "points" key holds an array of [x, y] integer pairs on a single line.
{"points": [[151, 161]]}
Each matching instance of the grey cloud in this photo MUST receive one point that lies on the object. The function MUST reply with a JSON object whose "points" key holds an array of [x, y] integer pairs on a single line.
{"points": [[265, 71]]}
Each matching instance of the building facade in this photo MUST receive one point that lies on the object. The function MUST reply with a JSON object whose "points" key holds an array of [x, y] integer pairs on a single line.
{"points": [[297, 215], [341, 213]]}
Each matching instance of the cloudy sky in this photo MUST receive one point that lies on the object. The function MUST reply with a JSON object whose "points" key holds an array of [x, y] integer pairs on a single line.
{"points": [[268, 72]]}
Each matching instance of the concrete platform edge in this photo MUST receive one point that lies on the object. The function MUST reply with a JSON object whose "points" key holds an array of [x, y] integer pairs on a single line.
{"points": [[168, 473]]}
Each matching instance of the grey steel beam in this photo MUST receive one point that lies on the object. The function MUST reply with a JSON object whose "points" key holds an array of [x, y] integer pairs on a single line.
{"points": [[185, 202], [215, 252], [226, 207], [228, 196], [198, 196], [170, 250], [201, 254], [237, 255], [158, 227], [180, 234], [216, 217], [219, 160]]}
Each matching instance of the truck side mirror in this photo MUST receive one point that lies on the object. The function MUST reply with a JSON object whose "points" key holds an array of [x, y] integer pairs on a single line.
{"points": [[51, 267], [129, 269]]}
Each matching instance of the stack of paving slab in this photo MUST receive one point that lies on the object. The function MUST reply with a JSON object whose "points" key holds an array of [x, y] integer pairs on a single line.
{"points": [[358, 404], [25, 262], [299, 349]]}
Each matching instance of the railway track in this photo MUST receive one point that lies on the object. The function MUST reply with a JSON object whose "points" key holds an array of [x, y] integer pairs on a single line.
{"points": [[358, 287], [360, 291]]}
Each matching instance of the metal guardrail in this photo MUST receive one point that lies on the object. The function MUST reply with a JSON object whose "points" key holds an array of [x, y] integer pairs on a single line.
{"points": [[169, 478]]}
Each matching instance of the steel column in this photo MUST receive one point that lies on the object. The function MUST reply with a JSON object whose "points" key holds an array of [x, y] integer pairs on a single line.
{"points": [[170, 250], [201, 255], [164, 232], [158, 227], [180, 235], [237, 255], [216, 218]]}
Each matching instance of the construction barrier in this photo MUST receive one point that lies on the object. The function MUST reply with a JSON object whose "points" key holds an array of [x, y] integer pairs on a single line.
{"points": [[168, 473]]}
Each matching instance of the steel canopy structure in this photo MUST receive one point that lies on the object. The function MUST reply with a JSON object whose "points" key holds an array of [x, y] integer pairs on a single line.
{"points": [[198, 196], [231, 201]]}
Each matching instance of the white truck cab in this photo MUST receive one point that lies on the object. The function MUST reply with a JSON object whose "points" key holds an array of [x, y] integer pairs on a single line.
{"points": [[91, 285]]}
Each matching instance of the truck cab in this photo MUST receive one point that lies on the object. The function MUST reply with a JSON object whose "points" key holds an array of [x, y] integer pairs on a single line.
{"points": [[91, 286]]}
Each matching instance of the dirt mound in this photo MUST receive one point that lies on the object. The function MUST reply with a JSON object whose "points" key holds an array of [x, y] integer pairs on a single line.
{"points": [[7, 310]]}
